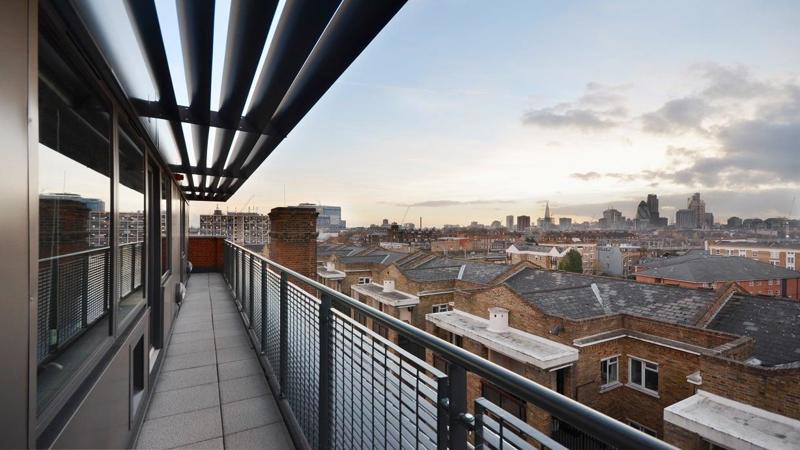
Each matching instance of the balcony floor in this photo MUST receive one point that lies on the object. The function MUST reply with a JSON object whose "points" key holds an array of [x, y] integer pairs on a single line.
{"points": [[212, 392]]}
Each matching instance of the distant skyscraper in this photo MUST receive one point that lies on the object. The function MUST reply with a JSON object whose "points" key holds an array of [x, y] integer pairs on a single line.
{"points": [[643, 211], [613, 218], [510, 222], [698, 208], [652, 205], [565, 223], [523, 223], [734, 222], [685, 219], [547, 222]]}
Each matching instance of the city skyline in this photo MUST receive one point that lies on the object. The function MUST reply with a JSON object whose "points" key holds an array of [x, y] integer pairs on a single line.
{"points": [[582, 121]]}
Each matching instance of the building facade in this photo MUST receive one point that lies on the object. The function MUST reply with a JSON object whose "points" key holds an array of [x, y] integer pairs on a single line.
{"points": [[246, 228]]}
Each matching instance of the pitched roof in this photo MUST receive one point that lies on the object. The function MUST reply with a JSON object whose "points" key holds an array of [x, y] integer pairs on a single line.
{"points": [[773, 323], [576, 296], [443, 268], [709, 269]]}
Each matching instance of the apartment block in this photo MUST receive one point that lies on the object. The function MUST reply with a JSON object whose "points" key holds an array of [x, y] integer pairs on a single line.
{"points": [[777, 253], [247, 228], [699, 270], [547, 256]]}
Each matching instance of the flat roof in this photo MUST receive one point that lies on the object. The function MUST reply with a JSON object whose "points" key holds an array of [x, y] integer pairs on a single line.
{"points": [[394, 298], [734, 424], [519, 345], [332, 274]]}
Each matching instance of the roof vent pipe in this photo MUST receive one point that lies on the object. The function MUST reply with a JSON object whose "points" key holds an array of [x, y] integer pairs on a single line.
{"points": [[498, 320], [596, 291], [388, 285]]}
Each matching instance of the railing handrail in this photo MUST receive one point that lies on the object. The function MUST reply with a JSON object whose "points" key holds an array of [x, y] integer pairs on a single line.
{"points": [[82, 252], [593, 422]]}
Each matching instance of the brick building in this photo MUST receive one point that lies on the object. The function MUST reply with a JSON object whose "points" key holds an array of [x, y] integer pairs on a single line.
{"points": [[699, 270], [547, 256], [631, 350], [783, 254]]}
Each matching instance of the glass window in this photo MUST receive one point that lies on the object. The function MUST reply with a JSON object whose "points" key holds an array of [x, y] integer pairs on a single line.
{"points": [[644, 374], [74, 221], [499, 397], [609, 371], [166, 224], [131, 206]]}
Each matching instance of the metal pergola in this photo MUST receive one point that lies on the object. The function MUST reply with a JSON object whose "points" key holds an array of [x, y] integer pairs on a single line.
{"points": [[313, 44]]}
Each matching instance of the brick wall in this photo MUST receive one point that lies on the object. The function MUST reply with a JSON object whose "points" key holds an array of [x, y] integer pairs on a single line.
{"points": [[293, 239], [206, 253], [773, 389]]}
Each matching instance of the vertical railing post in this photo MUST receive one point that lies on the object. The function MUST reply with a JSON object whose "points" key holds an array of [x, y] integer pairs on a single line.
{"points": [[479, 411], [457, 406], [264, 301], [241, 279], [251, 288], [54, 336], [236, 274], [325, 372], [442, 414], [284, 334], [85, 291]]}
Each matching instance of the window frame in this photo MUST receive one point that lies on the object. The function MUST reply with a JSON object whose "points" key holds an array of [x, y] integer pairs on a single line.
{"points": [[608, 385], [646, 430], [643, 375], [437, 308], [364, 280]]}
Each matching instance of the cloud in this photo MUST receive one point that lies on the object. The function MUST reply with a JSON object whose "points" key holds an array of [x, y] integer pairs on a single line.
{"points": [[582, 119], [677, 116], [600, 107], [587, 176], [731, 82]]}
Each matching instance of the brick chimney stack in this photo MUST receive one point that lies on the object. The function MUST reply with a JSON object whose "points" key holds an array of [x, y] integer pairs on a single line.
{"points": [[293, 239]]}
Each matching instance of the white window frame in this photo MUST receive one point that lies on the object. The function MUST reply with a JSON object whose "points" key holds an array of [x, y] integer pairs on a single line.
{"points": [[616, 382], [440, 307], [642, 428], [641, 387], [364, 280]]}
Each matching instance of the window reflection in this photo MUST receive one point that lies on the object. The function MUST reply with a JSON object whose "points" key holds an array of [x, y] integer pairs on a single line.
{"points": [[74, 221], [166, 223], [131, 204]]}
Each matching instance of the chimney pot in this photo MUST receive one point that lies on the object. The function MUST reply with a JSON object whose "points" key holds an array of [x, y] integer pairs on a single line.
{"points": [[498, 320]]}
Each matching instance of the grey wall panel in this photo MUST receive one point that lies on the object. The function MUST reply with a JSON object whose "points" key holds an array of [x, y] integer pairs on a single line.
{"points": [[103, 418], [18, 99]]}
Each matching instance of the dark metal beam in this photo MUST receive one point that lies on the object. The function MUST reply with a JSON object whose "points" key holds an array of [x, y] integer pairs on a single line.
{"points": [[248, 27], [145, 108], [354, 25], [148, 32], [196, 21], [298, 30], [205, 171]]}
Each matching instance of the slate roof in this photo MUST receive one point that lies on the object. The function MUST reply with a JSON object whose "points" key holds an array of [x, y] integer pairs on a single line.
{"points": [[652, 263], [538, 248], [773, 323], [572, 296], [709, 269], [442, 268], [324, 250]]}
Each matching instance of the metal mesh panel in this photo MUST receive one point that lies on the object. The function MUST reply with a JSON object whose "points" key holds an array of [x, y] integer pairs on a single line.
{"points": [[273, 319], [383, 397], [245, 302], [73, 295], [125, 269], [43, 319], [302, 388], [256, 281], [138, 254]]}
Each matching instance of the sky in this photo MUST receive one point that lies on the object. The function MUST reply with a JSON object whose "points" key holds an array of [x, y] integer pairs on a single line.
{"points": [[463, 110]]}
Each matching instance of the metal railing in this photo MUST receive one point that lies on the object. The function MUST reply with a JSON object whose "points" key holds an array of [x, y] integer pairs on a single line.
{"points": [[345, 386], [74, 293]]}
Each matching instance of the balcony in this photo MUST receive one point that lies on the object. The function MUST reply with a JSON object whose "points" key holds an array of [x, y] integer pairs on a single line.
{"points": [[263, 356]]}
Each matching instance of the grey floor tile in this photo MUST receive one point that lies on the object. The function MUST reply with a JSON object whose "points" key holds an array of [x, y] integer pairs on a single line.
{"points": [[242, 388], [235, 354], [191, 326], [192, 336], [211, 444], [181, 429], [230, 332], [179, 401], [272, 436], [250, 413], [239, 369], [178, 379], [232, 341], [182, 348], [189, 360]]}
